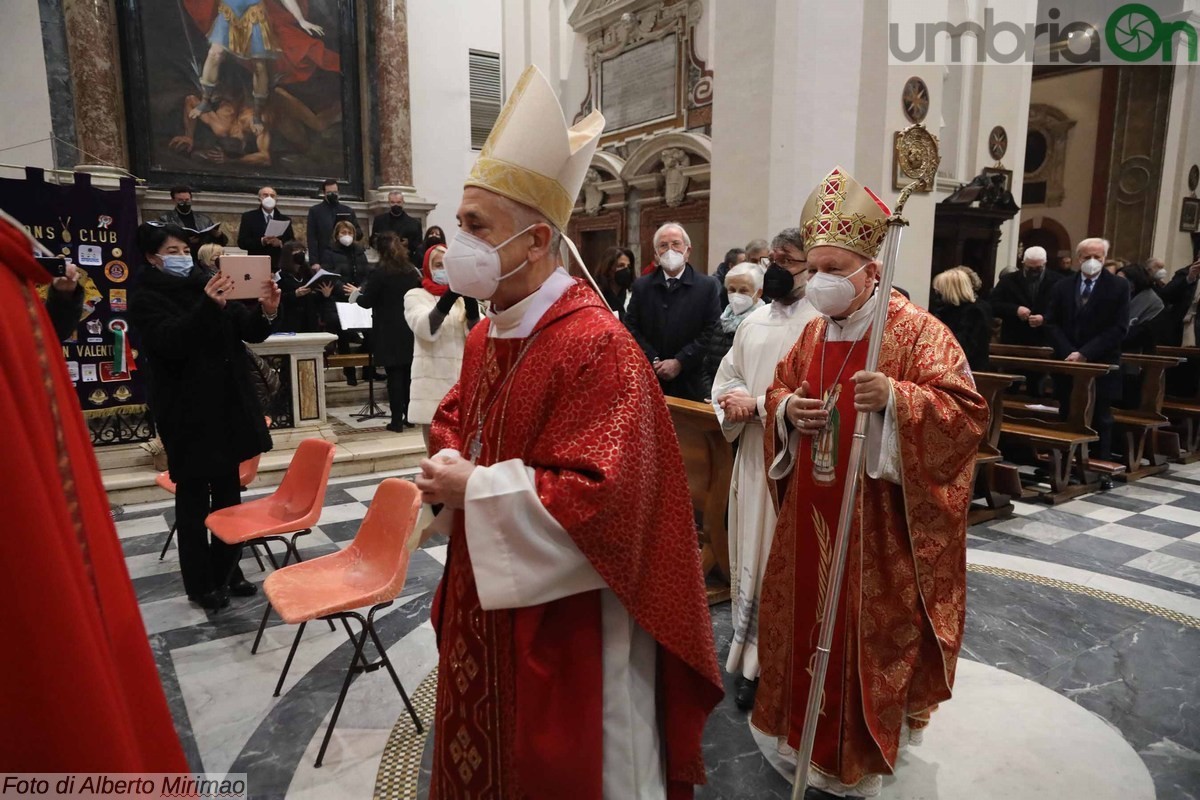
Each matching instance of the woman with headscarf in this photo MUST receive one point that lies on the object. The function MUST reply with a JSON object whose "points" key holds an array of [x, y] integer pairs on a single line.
{"points": [[384, 292], [439, 320]]}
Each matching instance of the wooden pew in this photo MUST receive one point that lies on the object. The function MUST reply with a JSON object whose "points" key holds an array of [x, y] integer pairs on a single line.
{"points": [[708, 459], [1183, 410], [1020, 351], [1139, 424], [1063, 442], [991, 385]]}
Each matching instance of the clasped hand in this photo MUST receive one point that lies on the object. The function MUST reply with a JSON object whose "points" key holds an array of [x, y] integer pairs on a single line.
{"points": [[443, 480], [738, 406], [808, 414]]}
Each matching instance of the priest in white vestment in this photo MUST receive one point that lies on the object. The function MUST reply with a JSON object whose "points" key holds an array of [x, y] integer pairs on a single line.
{"points": [[739, 397]]}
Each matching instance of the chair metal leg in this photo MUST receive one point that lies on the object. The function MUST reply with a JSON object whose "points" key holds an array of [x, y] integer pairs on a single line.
{"points": [[257, 557], [262, 626], [167, 543], [270, 554], [291, 654], [387, 662], [289, 551], [337, 709]]}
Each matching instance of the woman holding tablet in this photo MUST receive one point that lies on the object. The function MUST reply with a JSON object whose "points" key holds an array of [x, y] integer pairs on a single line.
{"points": [[202, 397]]}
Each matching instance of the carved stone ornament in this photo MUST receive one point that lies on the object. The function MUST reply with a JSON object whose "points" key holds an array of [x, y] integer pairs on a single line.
{"points": [[675, 182], [1054, 126], [593, 196]]}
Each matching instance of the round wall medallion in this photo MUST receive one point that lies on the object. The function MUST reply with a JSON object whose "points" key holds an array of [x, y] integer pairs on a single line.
{"points": [[998, 142], [1193, 178], [915, 99]]}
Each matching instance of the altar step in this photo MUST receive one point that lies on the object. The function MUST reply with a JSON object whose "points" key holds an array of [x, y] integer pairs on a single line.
{"points": [[129, 476]]}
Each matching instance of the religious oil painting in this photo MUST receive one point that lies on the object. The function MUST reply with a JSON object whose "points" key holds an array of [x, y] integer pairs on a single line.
{"points": [[229, 92]]}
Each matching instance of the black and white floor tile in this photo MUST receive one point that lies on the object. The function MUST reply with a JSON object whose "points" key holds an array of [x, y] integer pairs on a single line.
{"points": [[1080, 677]]}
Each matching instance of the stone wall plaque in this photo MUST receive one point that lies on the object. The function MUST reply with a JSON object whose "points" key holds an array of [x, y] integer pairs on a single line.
{"points": [[641, 85]]}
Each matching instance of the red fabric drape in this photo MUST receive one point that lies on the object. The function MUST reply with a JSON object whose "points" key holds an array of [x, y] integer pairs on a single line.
{"points": [[81, 692]]}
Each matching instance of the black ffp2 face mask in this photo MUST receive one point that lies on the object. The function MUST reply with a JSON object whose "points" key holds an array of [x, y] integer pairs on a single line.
{"points": [[397, 210], [778, 283], [623, 278], [331, 198], [184, 208]]}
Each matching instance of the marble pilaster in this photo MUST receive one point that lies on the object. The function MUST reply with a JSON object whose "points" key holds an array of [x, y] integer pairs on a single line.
{"points": [[91, 34], [391, 74]]}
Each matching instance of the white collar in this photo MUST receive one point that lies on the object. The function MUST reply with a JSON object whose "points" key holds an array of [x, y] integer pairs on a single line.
{"points": [[785, 311], [519, 320]]}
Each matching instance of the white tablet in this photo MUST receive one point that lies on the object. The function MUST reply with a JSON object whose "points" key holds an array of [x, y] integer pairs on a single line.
{"points": [[249, 273]]}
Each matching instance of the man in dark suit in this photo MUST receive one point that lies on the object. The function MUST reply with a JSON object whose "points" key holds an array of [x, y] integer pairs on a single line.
{"points": [[1020, 300], [1087, 319], [253, 228], [669, 311], [200, 227], [397, 220], [323, 217]]}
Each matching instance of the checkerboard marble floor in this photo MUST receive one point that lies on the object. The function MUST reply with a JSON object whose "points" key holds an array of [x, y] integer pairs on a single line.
{"points": [[1133, 670]]}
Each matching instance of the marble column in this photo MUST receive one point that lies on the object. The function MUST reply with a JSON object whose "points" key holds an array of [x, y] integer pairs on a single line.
{"points": [[395, 128], [91, 27]]}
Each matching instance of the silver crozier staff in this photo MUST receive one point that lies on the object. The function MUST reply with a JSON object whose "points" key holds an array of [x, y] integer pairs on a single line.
{"points": [[917, 153]]}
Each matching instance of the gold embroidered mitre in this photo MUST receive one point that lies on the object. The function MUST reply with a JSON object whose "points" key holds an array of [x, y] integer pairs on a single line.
{"points": [[531, 156], [843, 213]]}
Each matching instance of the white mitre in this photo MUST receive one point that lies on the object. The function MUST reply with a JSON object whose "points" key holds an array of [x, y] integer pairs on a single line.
{"points": [[531, 156]]}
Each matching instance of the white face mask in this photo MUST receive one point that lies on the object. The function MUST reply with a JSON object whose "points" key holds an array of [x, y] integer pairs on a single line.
{"points": [[473, 265], [1091, 267], [268, 203], [439, 277], [831, 295], [740, 303], [346, 240], [672, 261]]}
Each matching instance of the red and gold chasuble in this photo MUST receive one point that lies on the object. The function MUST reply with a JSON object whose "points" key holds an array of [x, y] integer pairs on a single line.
{"points": [[900, 624], [520, 691]]}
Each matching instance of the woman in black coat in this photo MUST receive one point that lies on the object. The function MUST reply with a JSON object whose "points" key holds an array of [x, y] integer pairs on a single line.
{"points": [[346, 257], [297, 307], [391, 338], [202, 398], [968, 318], [614, 276]]}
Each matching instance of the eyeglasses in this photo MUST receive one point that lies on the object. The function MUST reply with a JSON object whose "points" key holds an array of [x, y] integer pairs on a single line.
{"points": [[791, 262]]}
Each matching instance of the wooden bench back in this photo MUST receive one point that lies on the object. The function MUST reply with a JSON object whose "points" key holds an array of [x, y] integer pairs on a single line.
{"points": [[1083, 391], [992, 385], [1154, 385], [1020, 351], [708, 461]]}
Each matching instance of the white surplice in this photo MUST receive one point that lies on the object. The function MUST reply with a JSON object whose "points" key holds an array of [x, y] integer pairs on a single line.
{"points": [[761, 341], [522, 557]]}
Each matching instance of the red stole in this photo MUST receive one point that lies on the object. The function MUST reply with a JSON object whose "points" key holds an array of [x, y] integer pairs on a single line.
{"points": [[819, 476]]}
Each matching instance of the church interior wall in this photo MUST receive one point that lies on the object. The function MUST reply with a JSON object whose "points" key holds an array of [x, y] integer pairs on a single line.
{"points": [[1076, 94], [1182, 151], [439, 38], [24, 87]]}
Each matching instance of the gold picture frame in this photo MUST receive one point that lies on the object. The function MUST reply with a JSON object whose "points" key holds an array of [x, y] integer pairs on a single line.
{"points": [[899, 179]]}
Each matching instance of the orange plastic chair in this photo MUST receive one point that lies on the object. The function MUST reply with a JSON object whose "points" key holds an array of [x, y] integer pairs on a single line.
{"points": [[284, 516], [370, 571], [247, 473]]}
